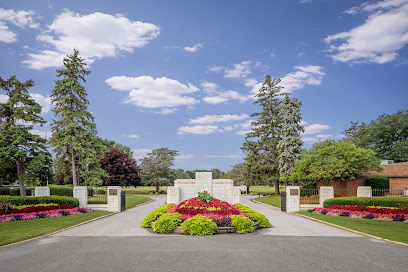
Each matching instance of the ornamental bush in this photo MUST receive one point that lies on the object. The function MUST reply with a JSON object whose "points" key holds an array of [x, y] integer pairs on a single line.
{"points": [[24, 200], [199, 225], [167, 223], [367, 201], [255, 216], [242, 224], [151, 217]]}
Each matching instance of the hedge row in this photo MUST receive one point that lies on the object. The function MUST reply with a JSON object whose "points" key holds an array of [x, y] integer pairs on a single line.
{"points": [[367, 201], [378, 182], [53, 191], [14, 191], [22, 200]]}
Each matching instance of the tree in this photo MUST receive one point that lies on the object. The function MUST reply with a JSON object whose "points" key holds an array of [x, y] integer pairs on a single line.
{"points": [[180, 174], [156, 167], [216, 173], [39, 170], [122, 170], [387, 136], [236, 174], [74, 132], [290, 146], [18, 116], [252, 170], [332, 159], [266, 129]]}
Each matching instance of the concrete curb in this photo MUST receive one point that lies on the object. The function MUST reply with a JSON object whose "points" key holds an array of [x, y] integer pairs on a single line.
{"points": [[270, 206], [73, 226]]}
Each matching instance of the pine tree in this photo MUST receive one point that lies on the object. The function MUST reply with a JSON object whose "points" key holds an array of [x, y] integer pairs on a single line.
{"points": [[290, 146], [266, 129], [18, 116], [252, 166], [74, 131]]}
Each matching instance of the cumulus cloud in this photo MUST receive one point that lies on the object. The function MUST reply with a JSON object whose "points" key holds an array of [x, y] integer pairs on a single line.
{"points": [[140, 153], [149, 92], [184, 157], [217, 97], [305, 1], [20, 18], [315, 128], [240, 70], [134, 136], [207, 129], [301, 76], [3, 98], [193, 48], [45, 102], [42, 134], [95, 35], [378, 39], [211, 119], [224, 156]]}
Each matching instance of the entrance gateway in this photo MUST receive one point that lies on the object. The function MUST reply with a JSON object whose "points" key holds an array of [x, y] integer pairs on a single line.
{"points": [[222, 189]]}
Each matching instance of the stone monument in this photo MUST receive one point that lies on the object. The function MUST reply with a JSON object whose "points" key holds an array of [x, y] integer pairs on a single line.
{"points": [[222, 189]]}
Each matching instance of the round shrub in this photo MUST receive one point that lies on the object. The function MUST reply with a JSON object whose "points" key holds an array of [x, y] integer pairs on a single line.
{"points": [[167, 223], [199, 225], [242, 224], [151, 217], [255, 216]]}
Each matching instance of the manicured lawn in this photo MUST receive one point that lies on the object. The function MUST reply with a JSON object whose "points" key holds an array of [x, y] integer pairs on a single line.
{"points": [[11, 232], [273, 201], [132, 201], [142, 190], [395, 231]]}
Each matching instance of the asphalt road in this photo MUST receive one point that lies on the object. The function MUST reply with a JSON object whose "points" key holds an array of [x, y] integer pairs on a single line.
{"points": [[298, 248]]}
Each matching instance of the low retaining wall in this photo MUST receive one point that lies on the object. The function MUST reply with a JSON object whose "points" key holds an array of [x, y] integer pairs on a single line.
{"points": [[220, 230]]}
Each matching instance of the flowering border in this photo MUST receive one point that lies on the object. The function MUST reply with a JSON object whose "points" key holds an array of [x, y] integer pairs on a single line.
{"points": [[43, 214]]}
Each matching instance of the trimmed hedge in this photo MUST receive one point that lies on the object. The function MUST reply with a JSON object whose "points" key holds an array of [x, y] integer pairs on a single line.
{"points": [[14, 191], [242, 224], [167, 223], [23, 200], [199, 225], [378, 182], [151, 217], [68, 191], [255, 216], [367, 201]]}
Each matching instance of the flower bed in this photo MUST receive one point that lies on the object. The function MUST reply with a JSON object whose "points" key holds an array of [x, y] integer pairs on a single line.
{"points": [[37, 208], [383, 214]]}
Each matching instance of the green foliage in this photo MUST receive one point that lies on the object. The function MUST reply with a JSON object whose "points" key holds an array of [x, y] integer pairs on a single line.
{"points": [[236, 174], [180, 174], [167, 223], [199, 225], [205, 197], [24, 200], [290, 146], [367, 201], [255, 216], [6, 206], [242, 224], [378, 182], [387, 136], [252, 171], [151, 217], [332, 159]]}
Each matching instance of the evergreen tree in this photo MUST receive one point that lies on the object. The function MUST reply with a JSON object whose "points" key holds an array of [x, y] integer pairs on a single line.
{"points": [[290, 146], [74, 131], [266, 129], [252, 168], [18, 115]]}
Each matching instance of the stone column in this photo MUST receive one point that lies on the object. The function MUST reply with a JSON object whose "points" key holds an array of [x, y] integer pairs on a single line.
{"points": [[173, 195], [81, 193], [204, 182], [233, 194], [114, 199], [42, 191], [292, 198], [325, 192], [364, 191]]}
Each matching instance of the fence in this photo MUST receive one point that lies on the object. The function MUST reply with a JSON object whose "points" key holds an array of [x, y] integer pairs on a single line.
{"points": [[340, 192], [388, 192], [97, 196], [12, 191], [309, 196]]}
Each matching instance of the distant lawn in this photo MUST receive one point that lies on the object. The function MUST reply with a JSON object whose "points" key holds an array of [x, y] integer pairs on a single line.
{"points": [[395, 231], [132, 201], [11, 232], [142, 190], [273, 201]]}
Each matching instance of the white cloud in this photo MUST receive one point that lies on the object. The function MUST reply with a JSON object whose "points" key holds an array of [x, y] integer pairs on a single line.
{"points": [[95, 35], [208, 129], [3, 98], [215, 69], [220, 96], [45, 102], [240, 70], [378, 39], [140, 153], [303, 75], [43, 134], [193, 48], [134, 136], [20, 18], [149, 92], [305, 1], [324, 136], [184, 157], [167, 111], [303, 122], [315, 128], [209, 87], [211, 119], [224, 156]]}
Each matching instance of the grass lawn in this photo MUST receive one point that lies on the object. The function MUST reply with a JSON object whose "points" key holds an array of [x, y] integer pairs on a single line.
{"points": [[395, 231], [142, 190], [273, 201], [132, 201], [11, 232]]}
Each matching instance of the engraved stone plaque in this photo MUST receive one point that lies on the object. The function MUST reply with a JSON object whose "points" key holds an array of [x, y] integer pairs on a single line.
{"points": [[113, 191], [293, 191]]}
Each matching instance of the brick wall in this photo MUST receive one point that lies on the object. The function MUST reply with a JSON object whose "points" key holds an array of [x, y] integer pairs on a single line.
{"points": [[398, 183], [344, 187]]}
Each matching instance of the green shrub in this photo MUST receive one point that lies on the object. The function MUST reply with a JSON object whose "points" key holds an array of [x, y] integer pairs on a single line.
{"points": [[255, 216], [242, 224], [61, 191], [6, 206], [24, 200], [367, 201], [199, 225], [151, 217], [167, 223], [378, 182]]}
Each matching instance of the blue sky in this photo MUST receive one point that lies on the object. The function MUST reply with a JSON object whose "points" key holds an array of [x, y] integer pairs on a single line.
{"points": [[182, 74]]}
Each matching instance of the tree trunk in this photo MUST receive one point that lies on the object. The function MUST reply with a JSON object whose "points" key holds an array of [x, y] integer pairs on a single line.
{"points": [[247, 189], [74, 175], [277, 187], [20, 177], [157, 187]]}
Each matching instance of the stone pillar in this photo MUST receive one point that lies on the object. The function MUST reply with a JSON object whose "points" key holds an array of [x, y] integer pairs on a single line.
{"points": [[42, 191], [364, 191], [233, 194], [292, 198], [81, 193], [204, 182], [114, 199], [173, 195], [325, 192]]}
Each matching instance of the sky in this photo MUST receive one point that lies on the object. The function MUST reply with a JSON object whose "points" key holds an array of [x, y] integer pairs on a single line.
{"points": [[183, 74]]}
